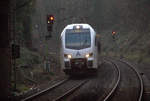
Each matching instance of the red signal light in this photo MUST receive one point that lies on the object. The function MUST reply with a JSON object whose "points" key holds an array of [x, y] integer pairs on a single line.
{"points": [[51, 18], [113, 33], [50, 22]]}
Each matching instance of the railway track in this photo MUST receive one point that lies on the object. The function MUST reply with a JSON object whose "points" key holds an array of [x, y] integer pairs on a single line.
{"points": [[140, 79], [48, 94], [115, 90], [126, 78], [112, 91], [62, 97], [44, 91]]}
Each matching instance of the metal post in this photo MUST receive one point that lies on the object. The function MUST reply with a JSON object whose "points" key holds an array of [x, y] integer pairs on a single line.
{"points": [[118, 50], [14, 38], [15, 76]]}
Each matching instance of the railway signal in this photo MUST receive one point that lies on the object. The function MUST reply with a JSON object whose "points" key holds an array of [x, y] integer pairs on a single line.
{"points": [[113, 34], [50, 22]]}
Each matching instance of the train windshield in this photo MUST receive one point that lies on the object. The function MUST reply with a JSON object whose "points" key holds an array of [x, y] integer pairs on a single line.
{"points": [[77, 39]]}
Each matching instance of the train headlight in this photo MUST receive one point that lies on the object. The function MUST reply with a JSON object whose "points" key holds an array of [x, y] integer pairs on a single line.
{"points": [[68, 56], [89, 55], [77, 27]]}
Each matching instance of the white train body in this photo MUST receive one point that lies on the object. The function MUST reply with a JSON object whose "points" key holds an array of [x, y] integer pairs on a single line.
{"points": [[79, 51]]}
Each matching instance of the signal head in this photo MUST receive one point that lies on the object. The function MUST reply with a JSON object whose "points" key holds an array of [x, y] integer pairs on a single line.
{"points": [[50, 19], [113, 33]]}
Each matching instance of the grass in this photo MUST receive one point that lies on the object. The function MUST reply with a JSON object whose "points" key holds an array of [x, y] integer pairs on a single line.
{"points": [[134, 56], [146, 60], [22, 87]]}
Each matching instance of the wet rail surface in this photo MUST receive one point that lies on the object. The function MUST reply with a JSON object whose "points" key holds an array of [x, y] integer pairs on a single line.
{"points": [[130, 87], [69, 92], [99, 87], [112, 91], [58, 91], [95, 87], [127, 85], [44, 91], [141, 84], [117, 80]]}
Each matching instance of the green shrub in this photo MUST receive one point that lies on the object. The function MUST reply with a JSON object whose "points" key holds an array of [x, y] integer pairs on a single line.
{"points": [[28, 57]]}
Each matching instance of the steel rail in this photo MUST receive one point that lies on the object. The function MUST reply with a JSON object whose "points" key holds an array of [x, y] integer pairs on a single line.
{"points": [[45, 90], [140, 78], [117, 83], [69, 92]]}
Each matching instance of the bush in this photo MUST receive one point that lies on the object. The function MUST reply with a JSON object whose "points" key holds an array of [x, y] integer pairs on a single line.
{"points": [[28, 58]]}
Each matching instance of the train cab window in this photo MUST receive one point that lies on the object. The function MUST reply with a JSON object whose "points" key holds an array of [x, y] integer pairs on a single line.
{"points": [[77, 39]]}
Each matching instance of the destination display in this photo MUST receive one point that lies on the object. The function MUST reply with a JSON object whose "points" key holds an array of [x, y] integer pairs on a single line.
{"points": [[77, 30]]}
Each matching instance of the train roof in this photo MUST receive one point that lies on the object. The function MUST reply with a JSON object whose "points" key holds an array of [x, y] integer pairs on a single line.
{"points": [[70, 26]]}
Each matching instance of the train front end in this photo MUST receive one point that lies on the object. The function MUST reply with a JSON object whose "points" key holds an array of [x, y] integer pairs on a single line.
{"points": [[78, 50]]}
